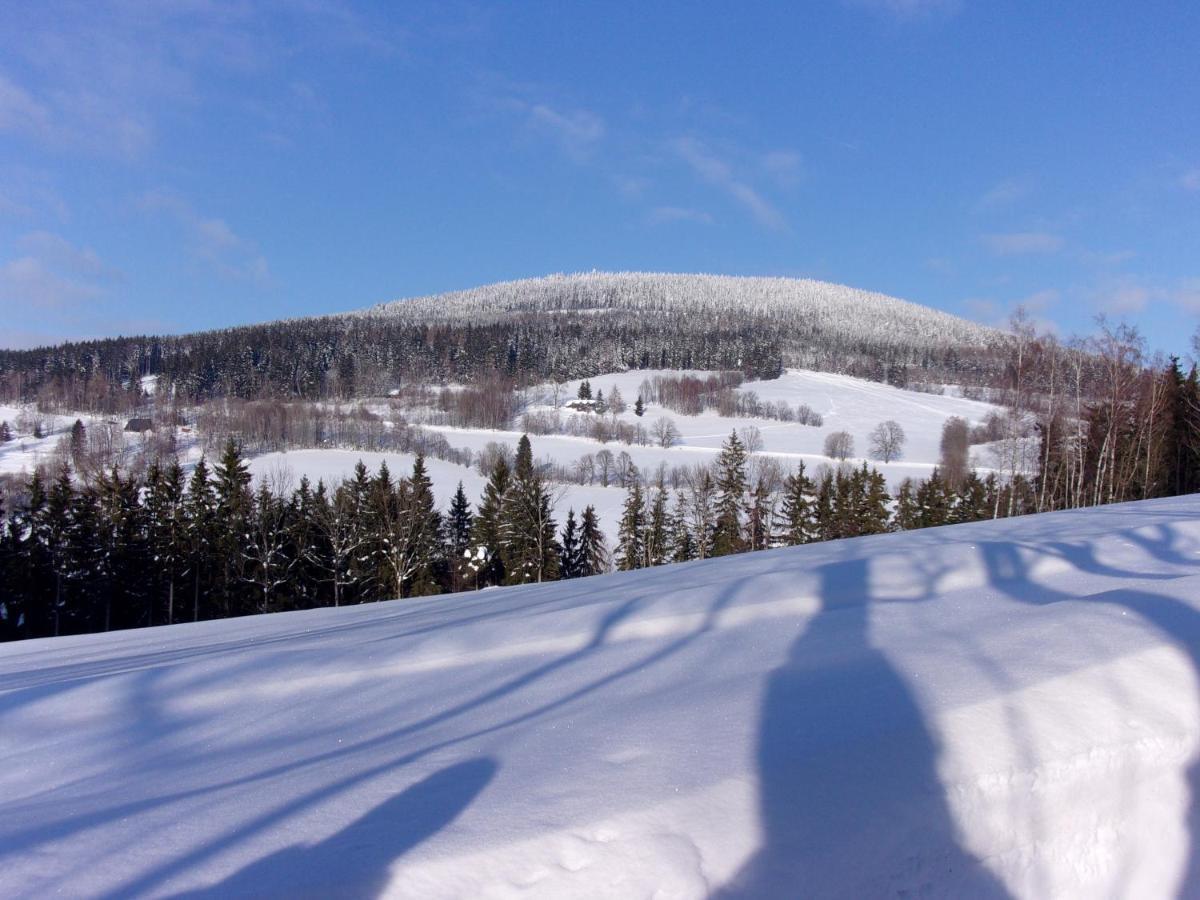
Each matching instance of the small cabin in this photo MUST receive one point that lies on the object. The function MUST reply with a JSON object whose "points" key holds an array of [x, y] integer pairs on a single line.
{"points": [[139, 425]]}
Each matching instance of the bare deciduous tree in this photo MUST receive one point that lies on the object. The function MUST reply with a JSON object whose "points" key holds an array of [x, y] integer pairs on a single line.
{"points": [[839, 445], [664, 431], [887, 440], [751, 437], [955, 447]]}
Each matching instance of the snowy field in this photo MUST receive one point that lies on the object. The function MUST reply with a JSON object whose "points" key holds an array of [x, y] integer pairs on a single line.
{"points": [[997, 709], [846, 404]]}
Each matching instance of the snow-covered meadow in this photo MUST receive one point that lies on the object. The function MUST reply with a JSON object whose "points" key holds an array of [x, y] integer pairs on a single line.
{"points": [[1006, 708], [845, 404]]}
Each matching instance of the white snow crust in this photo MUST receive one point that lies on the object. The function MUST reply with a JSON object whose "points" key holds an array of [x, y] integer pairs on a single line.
{"points": [[996, 709]]}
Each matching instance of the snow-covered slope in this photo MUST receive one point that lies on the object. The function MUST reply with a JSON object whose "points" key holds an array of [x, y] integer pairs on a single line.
{"points": [[807, 306], [1005, 708]]}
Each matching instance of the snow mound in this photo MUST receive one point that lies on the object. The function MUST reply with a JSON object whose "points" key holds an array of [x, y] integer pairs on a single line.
{"points": [[997, 709]]}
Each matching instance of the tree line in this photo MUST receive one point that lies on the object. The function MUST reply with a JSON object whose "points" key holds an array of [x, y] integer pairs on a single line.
{"points": [[123, 552]]}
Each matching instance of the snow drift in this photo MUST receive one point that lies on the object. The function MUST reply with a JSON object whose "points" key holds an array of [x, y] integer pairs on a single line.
{"points": [[997, 709]]}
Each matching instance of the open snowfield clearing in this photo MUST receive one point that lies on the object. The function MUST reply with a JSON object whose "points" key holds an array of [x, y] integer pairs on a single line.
{"points": [[845, 403], [998, 709]]}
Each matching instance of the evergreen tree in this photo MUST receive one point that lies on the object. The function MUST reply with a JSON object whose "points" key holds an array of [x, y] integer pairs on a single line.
{"points": [[201, 539], [78, 443], [907, 511], [933, 501], [267, 553], [585, 390], [683, 547], [758, 521], [167, 526], [127, 600], [530, 544], [875, 515], [234, 510], [731, 487], [631, 533], [823, 509], [487, 531], [52, 532], [601, 406], [658, 527], [5, 432], [593, 554], [458, 536], [798, 524], [639, 408], [569, 562], [10, 598], [424, 533], [971, 501]]}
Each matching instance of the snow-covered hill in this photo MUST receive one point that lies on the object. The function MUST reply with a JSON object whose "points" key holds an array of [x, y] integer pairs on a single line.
{"points": [[806, 308], [1004, 708]]}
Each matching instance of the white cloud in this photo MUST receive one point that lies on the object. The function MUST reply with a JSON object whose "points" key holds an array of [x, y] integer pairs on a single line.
{"points": [[998, 314], [1023, 242], [785, 166], [576, 129], [96, 79], [663, 215], [20, 112], [211, 240], [1004, 194], [720, 174], [52, 273]]}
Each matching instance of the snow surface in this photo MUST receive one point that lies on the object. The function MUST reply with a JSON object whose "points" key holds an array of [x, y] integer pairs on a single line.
{"points": [[996, 709], [847, 404]]}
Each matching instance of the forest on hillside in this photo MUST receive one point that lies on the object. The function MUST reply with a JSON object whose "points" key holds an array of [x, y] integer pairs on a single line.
{"points": [[534, 331]]}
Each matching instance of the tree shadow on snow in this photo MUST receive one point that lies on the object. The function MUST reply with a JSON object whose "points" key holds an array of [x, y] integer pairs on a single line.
{"points": [[1010, 572], [355, 861], [850, 801]]}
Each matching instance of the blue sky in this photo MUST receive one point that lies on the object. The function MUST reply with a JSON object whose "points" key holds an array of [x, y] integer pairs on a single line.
{"points": [[175, 166]]}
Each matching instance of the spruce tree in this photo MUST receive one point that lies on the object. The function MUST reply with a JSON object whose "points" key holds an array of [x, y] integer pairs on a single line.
{"points": [[907, 512], [593, 554], [971, 502], [234, 510], [425, 534], [631, 533], [875, 516], [585, 390], [167, 528], [823, 509], [758, 520], [530, 543], [53, 532], [798, 526], [200, 534], [683, 548], [5, 432], [78, 443], [487, 530], [458, 536], [933, 501], [126, 595], [658, 527], [569, 563], [639, 408], [731, 488]]}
